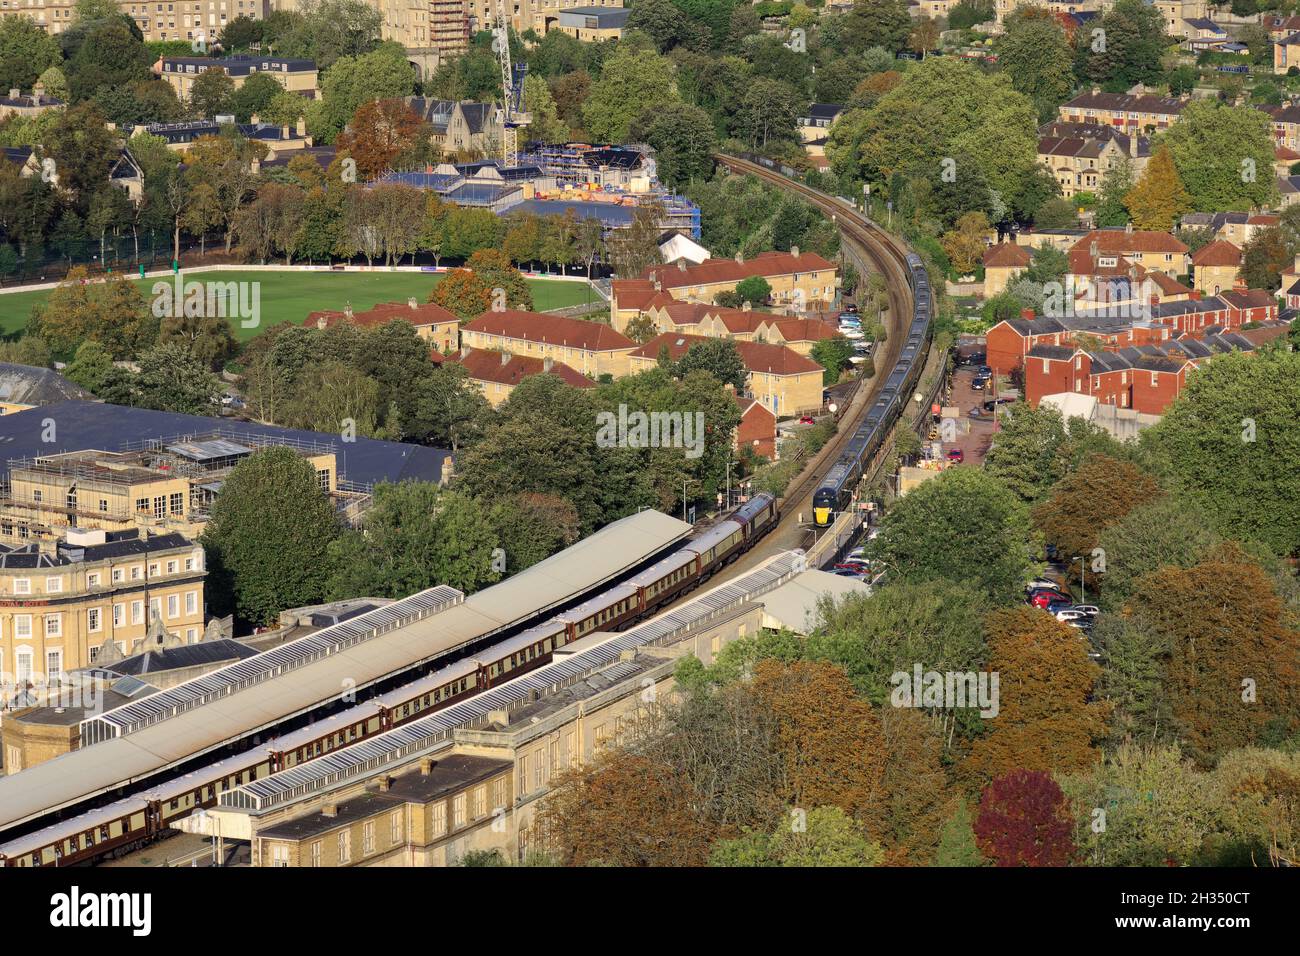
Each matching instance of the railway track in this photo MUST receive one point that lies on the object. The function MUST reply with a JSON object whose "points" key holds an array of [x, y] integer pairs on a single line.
{"points": [[872, 250]]}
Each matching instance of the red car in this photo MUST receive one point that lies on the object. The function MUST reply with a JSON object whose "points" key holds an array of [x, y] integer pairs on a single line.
{"points": [[1045, 597], [807, 420], [956, 457]]}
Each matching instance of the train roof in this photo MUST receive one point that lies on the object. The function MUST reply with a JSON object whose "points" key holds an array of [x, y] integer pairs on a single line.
{"points": [[103, 766]]}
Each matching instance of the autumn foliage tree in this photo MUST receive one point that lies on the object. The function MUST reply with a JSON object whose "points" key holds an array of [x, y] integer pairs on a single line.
{"points": [[624, 810], [1086, 502], [380, 131], [1024, 820], [1047, 719], [463, 293], [1158, 198], [1232, 662]]}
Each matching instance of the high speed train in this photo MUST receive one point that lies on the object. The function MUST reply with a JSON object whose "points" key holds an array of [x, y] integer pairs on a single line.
{"points": [[836, 490]]}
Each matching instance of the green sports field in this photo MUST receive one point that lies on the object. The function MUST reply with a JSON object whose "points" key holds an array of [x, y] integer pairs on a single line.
{"points": [[291, 296]]}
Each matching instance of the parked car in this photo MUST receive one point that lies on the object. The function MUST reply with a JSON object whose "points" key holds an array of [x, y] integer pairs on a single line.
{"points": [[978, 383], [1069, 614], [1091, 610], [955, 456], [989, 404], [851, 308], [985, 371], [857, 554], [1041, 583], [845, 573], [975, 412], [1045, 599], [807, 420]]}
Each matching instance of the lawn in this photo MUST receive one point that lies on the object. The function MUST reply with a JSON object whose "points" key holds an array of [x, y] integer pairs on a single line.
{"points": [[291, 296]]}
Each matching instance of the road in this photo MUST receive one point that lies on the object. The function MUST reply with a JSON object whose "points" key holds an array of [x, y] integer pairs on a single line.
{"points": [[871, 249]]}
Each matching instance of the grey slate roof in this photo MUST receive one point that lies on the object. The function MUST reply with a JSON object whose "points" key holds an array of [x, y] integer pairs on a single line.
{"points": [[31, 385]]}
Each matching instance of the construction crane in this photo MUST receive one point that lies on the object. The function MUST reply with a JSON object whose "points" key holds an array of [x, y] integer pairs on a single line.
{"points": [[513, 113]]}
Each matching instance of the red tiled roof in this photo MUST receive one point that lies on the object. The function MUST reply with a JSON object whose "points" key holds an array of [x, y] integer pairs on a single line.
{"points": [[1263, 220], [1006, 255], [747, 405], [712, 271], [488, 366], [801, 330], [757, 356], [1217, 253], [1248, 298], [429, 313], [633, 293], [551, 330], [1123, 241], [1168, 284]]}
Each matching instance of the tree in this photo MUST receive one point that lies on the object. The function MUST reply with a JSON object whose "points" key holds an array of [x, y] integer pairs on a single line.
{"points": [[212, 93], [833, 355], [631, 82], [30, 50], [1232, 666], [493, 267], [1224, 155], [268, 538], [462, 292], [822, 836], [535, 526], [753, 289], [962, 525], [173, 380], [683, 137], [207, 338], [546, 125], [718, 357], [254, 95], [353, 80], [958, 845], [380, 131], [965, 245], [1048, 718], [112, 312], [1158, 199], [108, 53], [1111, 209], [1024, 820], [768, 112], [415, 536], [878, 23], [621, 809], [1132, 53], [1164, 532], [1265, 257], [1034, 52], [1230, 440], [966, 13], [1083, 504]]}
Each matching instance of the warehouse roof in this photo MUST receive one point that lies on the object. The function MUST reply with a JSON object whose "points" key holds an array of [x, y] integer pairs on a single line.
{"points": [[81, 425]]}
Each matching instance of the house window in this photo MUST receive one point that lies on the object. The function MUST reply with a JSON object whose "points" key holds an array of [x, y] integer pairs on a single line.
{"points": [[22, 625], [439, 822], [279, 855], [395, 827], [458, 811], [24, 665], [53, 585], [176, 503], [92, 580], [38, 496], [323, 479], [142, 504], [173, 605], [22, 586], [136, 571], [54, 625], [117, 575], [119, 615], [191, 602], [368, 837], [480, 802], [53, 666], [315, 853], [103, 504], [345, 846], [171, 567], [137, 612], [94, 619], [160, 507]]}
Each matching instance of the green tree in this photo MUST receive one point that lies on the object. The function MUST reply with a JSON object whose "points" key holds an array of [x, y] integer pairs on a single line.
{"points": [[1231, 439], [268, 539], [718, 357], [415, 536], [823, 836], [546, 125], [1265, 257], [1224, 156], [171, 379], [754, 289], [684, 139], [878, 23], [833, 355], [1035, 53], [961, 525], [957, 843], [212, 93], [631, 82], [1135, 41]]}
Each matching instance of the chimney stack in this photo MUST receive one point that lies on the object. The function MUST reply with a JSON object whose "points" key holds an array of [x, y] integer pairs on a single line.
{"points": [[1027, 314], [14, 92], [794, 251], [448, 471], [412, 303], [330, 810], [384, 783], [426, 766], [1133, 146], [740, 256], [547, 364], [505, 358]]}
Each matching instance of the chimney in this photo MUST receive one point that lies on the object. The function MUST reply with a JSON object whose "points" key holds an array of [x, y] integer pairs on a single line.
{"points": [[255, 119], [1128, 227], [412, 303], [448, 471], [1239, 284], [547, 364], [740, 256], [681, 264], [1027, 314], [38, 90], [794, 251], [384, 783], [330, 810], [301, 128], [426, 766], [658, 285], [1093, 249], [1196, 295], [747, 306], [1133, 145], [505, 358], [284, 131], [14, 93], [1096, 91]]}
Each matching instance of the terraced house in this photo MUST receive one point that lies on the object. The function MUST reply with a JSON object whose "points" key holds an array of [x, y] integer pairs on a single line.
{"points": [[592, 349], [1139, 112]]}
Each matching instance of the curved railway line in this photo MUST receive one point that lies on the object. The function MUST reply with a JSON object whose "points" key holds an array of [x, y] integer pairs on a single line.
{"points": [[874, 250]]}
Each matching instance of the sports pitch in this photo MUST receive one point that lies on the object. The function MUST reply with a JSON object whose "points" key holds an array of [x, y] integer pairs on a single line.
{"points": [[292, 296]]}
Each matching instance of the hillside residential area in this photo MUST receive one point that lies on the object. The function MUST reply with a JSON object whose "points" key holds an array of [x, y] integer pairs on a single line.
{"points": [[652, 434]]}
